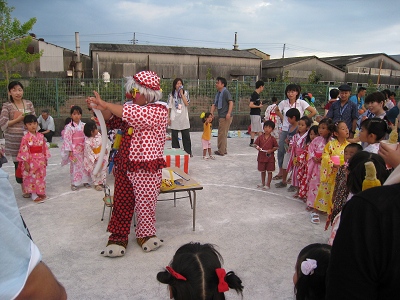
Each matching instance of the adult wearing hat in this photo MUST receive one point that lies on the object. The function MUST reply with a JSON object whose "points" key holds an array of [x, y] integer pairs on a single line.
{"points": [[344, 110], [139, 161]]}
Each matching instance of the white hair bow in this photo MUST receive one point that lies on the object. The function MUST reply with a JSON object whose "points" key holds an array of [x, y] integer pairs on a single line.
{"points": [[308, 266]]}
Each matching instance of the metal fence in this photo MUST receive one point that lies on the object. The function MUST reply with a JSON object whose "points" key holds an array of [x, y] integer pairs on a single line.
{"points": [[59, 94]]}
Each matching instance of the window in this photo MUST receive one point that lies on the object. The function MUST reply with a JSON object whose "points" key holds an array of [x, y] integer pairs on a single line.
{"points": [[358, 70], [247, 78], [395, 73], [383, 72]]}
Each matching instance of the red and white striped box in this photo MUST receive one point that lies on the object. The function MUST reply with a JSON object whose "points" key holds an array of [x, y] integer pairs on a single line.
{"points": [[177, 158]]}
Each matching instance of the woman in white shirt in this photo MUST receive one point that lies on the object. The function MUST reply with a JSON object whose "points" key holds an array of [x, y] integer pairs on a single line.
{"points": [[178, 103], [292, 93]]}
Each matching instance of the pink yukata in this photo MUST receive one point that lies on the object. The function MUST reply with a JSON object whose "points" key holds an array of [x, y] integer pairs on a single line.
{"points": [[91, 155], [74, 140], [315, 149], [34, 151]]}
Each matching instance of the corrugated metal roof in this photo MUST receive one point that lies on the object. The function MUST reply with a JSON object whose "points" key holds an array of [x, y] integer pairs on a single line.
{"points": [[172, 50], [342, 61], [396, 57], [283, 62]]}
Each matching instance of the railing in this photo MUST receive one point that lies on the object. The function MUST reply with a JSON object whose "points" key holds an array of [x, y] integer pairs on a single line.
{"points": [[59, 94]]}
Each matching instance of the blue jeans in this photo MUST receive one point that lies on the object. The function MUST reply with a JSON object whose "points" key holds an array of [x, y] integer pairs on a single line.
{"points": [[281, 149]]}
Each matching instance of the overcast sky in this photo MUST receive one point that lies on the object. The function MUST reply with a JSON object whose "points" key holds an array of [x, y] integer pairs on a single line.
{"points": [[307, 27]]}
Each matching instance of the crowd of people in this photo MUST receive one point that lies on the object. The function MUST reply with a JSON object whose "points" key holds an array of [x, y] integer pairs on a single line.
{"points": [[332, 161], [329, 161]]}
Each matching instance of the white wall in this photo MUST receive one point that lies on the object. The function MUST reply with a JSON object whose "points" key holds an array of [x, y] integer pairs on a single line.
{"points": [[52, 59]]}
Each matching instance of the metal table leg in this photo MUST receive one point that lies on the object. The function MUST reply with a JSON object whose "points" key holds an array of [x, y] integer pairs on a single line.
{"points": [[194, 210]]}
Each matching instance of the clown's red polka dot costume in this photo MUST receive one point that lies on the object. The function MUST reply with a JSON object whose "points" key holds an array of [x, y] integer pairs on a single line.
{"points": [[137, 169]]}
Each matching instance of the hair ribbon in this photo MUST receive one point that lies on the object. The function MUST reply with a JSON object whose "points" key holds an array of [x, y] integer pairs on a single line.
{"points": [[308, 266], [175, 274], [222, 285]]}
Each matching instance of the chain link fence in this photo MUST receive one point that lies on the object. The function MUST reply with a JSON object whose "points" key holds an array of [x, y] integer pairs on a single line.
{"points": [[59, 94]]}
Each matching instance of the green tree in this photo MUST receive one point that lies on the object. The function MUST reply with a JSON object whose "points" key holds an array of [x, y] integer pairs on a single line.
{"points": [[314, 78], [14, 39]]}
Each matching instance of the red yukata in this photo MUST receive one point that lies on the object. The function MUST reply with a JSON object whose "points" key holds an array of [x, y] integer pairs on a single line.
{"points": [[34, 151]]}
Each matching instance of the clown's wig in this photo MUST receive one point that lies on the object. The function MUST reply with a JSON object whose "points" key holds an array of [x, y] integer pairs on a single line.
{"points": [[150, 95]]}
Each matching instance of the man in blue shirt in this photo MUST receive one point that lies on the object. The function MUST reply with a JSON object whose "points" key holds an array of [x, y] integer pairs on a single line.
{"points": [[358, 99], [344, 110], [224, 104]]}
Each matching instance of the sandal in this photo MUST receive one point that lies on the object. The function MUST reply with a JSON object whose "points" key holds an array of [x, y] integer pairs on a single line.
{"points": [[205, 158], [74, 187], [277, 177], [218, 153], [98, 188], [292, 189], [87, 185], [26, 195], [212, 157], [38, 200], [314, 218], [260, 186], [280, 185]]}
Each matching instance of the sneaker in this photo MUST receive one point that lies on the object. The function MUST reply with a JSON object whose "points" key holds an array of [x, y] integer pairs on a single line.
{"points": [[292, 188]]}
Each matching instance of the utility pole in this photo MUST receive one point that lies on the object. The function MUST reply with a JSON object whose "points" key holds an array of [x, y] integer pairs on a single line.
{"points": [[134, 41], [379, 75], [283, 54]]}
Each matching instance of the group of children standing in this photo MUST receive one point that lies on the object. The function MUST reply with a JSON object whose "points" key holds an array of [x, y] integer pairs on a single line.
{"points": [[81, 148], [317, 157]]}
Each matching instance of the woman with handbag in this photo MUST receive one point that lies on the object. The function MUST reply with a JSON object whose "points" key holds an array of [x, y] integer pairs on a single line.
{"points": [[12, 125]]}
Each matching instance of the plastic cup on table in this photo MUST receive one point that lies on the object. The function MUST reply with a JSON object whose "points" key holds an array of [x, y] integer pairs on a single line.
{"points": [[335, 159]]}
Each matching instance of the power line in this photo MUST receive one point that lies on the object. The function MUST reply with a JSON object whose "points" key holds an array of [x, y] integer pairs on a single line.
{"points": [[178, 41]]}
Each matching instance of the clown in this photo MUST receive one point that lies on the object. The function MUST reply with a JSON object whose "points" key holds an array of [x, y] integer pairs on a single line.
{"points": [[138, 162]]}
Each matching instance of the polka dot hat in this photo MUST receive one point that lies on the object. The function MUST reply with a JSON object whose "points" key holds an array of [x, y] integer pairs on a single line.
{"points": [[148, 79]]}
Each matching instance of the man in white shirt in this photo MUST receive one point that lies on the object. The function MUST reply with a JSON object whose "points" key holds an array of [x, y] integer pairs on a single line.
{"points": [[46, 123]]}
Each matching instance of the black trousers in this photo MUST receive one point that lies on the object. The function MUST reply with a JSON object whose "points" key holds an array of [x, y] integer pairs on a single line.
{"points": [[187, 144], [48, 136]]}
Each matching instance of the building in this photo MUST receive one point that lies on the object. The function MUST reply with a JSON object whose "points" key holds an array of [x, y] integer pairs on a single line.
{"points": [[55, 62], [378, 68], [298, 69], [120, 60]]}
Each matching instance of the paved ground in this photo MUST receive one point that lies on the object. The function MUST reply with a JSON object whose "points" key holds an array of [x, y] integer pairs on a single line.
{"points": [[258, 233]]}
